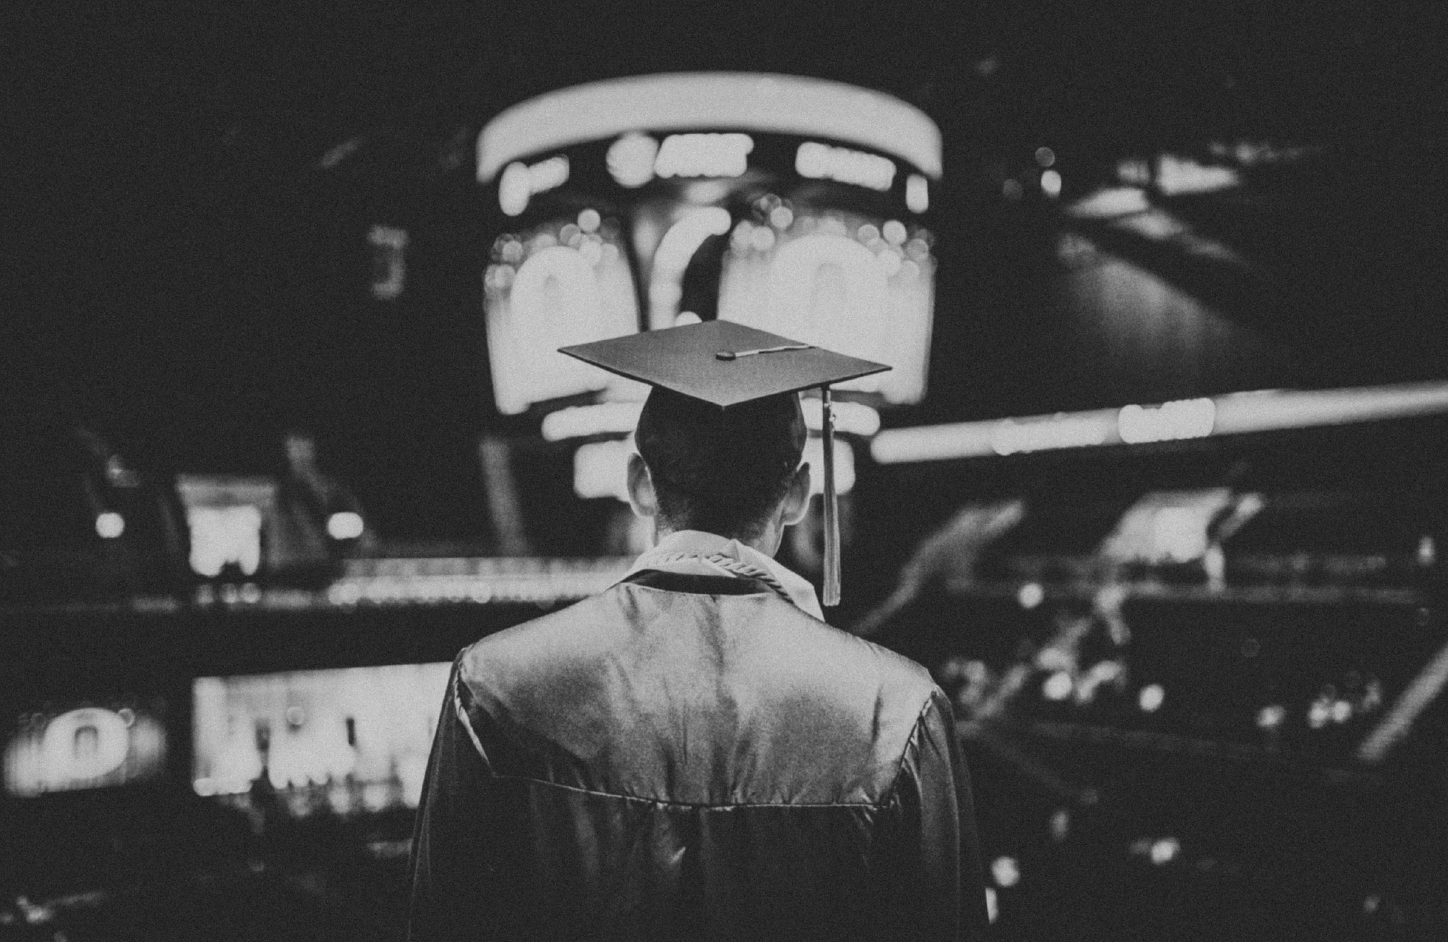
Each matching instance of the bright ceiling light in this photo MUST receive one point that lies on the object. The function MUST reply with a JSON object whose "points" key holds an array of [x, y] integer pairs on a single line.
{"points": [[345, 525], [110, 525], [630, 159], [777, 104]]}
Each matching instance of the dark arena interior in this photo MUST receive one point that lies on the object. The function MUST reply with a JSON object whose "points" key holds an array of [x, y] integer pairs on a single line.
{"points": [[1157, 489]]}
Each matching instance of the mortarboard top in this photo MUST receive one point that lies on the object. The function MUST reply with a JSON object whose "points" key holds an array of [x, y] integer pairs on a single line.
{"points": [[726, 364], [687, 360]]}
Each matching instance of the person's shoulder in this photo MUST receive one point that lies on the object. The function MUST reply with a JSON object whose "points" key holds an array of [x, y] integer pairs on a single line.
{"points": [[844, 651], [586, 625], [908, 671]]}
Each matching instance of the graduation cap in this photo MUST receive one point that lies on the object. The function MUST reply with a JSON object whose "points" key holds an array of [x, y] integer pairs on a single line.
{"points": [[727, 364]]}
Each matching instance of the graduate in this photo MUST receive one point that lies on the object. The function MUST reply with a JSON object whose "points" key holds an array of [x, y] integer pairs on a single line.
{"points": [[694, 753]]}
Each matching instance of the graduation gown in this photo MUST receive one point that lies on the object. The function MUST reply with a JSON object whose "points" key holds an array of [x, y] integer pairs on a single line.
{"points": [[686, 757]]}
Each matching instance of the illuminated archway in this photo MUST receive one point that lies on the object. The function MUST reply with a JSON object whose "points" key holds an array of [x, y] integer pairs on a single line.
{"points": [[835, 288], [554, 301], [84, 745], [556, 291]]}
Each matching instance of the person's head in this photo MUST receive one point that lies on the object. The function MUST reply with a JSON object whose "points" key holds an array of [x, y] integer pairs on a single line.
{"points": [[735, 472]]}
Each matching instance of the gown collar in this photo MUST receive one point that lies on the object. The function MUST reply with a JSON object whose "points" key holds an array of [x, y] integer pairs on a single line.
{"points": [[695, 552]]}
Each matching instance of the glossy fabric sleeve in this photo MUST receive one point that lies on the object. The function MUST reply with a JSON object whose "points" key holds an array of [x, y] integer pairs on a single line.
{"points": [[453, 857], [933, 880]]}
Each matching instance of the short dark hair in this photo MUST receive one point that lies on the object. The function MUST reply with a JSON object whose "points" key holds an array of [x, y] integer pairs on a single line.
{"points": [[720, 470]]}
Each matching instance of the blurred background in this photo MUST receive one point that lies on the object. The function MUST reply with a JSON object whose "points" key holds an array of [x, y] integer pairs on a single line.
{"points": [[1156, 488]]}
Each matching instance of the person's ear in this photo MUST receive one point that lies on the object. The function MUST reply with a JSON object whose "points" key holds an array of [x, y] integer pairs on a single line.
{"points": [[641, 496], [796, 499]]}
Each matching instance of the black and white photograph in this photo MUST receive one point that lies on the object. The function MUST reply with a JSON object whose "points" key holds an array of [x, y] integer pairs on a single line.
{"points": [[724, 472]]}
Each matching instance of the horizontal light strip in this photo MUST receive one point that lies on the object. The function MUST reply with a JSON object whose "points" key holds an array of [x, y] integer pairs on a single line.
{"points": [[1232, 414], [1266, 411], [851, 418], [476, 580], [748, 101], [606, 418], [620, 418], [522, 588], [481, 567]]}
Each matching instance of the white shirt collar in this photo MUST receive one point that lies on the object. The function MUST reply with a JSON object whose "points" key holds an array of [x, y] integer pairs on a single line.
{"points": [[687, 551]]}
